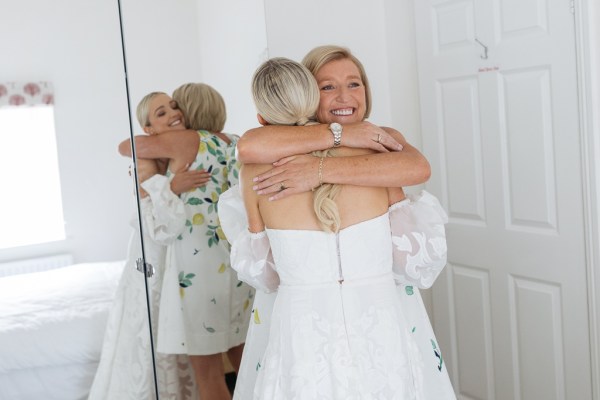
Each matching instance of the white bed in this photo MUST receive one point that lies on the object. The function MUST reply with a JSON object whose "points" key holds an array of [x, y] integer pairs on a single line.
{"points": [[51, 330]]}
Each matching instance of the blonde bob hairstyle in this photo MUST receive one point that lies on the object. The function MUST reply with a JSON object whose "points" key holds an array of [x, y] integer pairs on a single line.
{"points": [[321, 55], [202, 106], [142, 111], [286, 93]]}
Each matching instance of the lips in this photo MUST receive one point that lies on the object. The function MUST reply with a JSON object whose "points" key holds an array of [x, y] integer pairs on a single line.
{"points": [[342, 112], [175, 123]]}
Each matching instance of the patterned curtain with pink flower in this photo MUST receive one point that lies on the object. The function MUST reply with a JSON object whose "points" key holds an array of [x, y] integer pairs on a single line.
{"points": [[26, 94]]}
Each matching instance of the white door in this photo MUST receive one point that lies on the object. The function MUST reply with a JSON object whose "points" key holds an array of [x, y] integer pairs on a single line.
{"points": [[500, 125]]}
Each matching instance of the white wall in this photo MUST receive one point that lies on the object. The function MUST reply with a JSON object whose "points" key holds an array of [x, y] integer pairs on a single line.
{"points": [[233, 44], [218, 43], [76, 46], [162, 47], [403, 79], [295, 27], [380, 33]]}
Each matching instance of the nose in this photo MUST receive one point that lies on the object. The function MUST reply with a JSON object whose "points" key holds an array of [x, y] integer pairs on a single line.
{"points": [[175, 113], [342, 94]]}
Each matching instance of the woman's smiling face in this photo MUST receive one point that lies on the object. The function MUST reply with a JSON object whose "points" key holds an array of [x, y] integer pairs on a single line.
{"points": [[164, 115], [343, 96]]}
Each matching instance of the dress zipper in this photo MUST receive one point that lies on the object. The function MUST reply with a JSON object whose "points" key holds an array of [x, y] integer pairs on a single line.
{"points": [[340, 273]]}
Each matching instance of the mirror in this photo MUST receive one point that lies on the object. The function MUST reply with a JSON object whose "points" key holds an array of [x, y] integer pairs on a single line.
{"points": [[162, 55], [56, 293], [222, 43]]}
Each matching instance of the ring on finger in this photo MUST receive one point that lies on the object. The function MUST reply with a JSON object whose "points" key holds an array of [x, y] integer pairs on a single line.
{"points": [[378, 138], [282, 187]]}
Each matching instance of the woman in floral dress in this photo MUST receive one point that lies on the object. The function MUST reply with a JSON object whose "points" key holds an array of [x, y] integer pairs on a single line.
{"points": [[204, 308]]}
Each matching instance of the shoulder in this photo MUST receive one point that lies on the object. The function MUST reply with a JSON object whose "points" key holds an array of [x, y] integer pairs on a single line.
{"points": [[233, 137], [249, 171], [182, 139], [395, 133]]}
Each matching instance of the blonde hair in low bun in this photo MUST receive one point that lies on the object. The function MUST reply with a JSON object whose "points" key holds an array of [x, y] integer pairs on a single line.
{"points": [[286, 93]]}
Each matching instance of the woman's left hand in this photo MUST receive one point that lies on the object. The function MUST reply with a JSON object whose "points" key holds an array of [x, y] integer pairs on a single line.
{"points": [[186, 180], [290, 175]]}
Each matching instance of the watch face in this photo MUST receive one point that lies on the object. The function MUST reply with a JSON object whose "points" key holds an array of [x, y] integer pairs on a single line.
{"points": [[336, 127]]}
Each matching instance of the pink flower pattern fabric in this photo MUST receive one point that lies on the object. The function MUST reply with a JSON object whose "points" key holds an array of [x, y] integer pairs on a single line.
{"points": [[14, 94]]}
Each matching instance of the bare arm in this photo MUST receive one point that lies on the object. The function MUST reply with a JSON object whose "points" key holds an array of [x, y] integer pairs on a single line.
{"points": [[159, 146], [392, 169], [255, 221], [284, 141], [181, 147]]}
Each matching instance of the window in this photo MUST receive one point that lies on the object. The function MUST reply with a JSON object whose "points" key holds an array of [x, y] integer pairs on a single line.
{"points": [[31, 204]]}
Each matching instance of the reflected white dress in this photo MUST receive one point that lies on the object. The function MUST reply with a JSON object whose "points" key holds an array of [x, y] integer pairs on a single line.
{"points": [[125, 368], [364, 338]]}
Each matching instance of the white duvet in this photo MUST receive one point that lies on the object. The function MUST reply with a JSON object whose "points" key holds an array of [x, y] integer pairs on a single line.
{"points": [[51, 329]]}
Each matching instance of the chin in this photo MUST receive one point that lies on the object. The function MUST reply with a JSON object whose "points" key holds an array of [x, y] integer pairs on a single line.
{"points": [[346, 119]]}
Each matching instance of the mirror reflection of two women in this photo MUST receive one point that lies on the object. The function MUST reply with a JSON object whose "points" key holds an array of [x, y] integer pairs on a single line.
{"points": [[327, 231], [204, 308]]}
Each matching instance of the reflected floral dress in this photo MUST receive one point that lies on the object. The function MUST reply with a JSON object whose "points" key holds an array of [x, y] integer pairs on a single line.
{"points": [[204, 308]]}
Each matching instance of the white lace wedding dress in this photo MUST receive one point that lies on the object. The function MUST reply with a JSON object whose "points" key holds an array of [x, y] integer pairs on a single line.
{"points": [[337, 331], [368, 337], [125, 370]]}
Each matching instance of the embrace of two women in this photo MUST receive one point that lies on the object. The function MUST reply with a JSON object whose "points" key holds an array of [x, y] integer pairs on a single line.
{"points": [[300, 259]]}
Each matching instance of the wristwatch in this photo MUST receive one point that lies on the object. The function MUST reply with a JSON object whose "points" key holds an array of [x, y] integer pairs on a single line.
{"points": [[336, 130]]}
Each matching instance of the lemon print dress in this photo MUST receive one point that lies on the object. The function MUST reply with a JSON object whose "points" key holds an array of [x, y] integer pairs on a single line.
{"points": [[204, 308]]}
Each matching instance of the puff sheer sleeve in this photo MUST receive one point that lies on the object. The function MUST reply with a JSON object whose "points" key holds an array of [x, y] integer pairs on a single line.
{"points": [[163, 215], [419, 239], [251, 255]]}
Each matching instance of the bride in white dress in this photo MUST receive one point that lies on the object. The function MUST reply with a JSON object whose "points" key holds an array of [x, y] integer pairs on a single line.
{"points": [[125, 370], [338, 330]]}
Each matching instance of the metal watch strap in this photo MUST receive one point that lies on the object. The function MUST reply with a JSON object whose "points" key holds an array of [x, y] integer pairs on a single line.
{"points": [[336, 130]]}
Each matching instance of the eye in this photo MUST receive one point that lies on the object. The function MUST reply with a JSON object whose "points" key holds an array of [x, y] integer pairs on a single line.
{"points": [[327, 87], [355, 84]]}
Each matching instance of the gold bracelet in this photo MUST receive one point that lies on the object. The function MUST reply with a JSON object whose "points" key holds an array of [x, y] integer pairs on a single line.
{"points": [[320, 174]]}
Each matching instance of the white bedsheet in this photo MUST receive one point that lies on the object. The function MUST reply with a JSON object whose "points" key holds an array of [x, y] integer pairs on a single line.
{"points": [[51, 330]]}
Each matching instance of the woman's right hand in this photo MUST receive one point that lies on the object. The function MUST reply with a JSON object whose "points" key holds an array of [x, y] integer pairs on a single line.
{"points": [[365, 135], [185, 180]]}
